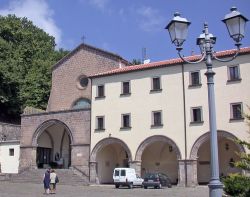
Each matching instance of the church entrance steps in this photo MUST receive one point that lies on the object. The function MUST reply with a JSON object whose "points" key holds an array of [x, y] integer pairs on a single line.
{"points": [[66, 177]]}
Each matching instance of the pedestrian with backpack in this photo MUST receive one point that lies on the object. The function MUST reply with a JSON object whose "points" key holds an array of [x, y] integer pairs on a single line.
{"points": [[53, 181]]}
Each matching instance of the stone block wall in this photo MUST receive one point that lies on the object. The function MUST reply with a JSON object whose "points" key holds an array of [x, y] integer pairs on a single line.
{"points": [[9, 132], [77, 124]]}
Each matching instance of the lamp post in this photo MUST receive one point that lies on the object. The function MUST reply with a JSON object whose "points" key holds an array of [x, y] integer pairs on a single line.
{"points": [[178, 29]]}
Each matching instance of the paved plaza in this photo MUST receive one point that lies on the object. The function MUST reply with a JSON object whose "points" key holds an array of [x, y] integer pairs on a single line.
{"points": [[36, 190]]}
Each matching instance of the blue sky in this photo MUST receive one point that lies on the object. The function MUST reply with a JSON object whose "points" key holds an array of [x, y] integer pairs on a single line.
{"points": [[126, 26]]}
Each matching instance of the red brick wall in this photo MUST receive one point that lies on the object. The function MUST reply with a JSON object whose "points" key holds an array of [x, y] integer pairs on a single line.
{"points": [[84, 61]]}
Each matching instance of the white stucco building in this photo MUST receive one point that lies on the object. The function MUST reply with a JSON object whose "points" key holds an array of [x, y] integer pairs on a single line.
{"points": [[9, 148], [9, 156], [154, 117]]}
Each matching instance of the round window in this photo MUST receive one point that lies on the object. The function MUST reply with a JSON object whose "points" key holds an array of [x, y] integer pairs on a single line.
{"points": [[83, 81]]}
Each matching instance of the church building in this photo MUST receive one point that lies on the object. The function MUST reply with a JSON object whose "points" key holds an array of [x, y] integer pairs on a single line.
{"points": [[104, 113]]}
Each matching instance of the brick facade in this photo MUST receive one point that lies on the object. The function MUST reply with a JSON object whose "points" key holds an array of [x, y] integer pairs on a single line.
{"points": [[84, 60]]}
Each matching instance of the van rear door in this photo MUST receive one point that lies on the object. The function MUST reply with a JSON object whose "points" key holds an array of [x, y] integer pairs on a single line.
{"points": [[116, 175], [123, 175]]}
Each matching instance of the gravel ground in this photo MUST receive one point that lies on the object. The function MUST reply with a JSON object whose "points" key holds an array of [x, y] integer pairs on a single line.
{"points": [[36, 190]]}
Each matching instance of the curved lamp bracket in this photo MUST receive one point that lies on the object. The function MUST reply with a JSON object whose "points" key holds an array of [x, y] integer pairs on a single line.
{"points": [[228, 60], [192, 62]]}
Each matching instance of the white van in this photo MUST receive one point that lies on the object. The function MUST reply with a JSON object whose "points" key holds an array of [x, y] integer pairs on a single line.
{"points": [[126, 177]]}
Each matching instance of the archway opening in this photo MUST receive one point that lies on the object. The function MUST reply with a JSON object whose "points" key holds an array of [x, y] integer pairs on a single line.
{"points": [[53, 147], [227, 155], [109, 157], [160, 157]]}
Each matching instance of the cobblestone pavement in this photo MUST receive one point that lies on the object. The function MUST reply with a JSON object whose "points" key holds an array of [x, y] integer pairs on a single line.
{"points": [[36, 190]]}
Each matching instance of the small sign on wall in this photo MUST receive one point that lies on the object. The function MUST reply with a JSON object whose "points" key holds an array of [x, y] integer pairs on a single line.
{"points": [[78, 154]]}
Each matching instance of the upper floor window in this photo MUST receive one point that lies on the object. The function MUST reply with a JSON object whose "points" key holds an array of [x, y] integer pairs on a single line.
{"points": [[100, 123], [100, 91], [234, 73], [196, 115], [157, 118], [125, 88], [156, 84], [11, 152], [236, 111], [81, 103], [126, 121], [195, 78]]}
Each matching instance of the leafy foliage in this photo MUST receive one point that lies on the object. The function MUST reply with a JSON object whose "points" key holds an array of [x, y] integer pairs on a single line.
{"points": [[244, 162], [237, 185], [26, 56]]}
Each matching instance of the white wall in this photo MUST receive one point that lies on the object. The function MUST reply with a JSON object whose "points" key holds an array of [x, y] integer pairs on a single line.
{"points": [[225, 93], [9, 164], [141, 103]]}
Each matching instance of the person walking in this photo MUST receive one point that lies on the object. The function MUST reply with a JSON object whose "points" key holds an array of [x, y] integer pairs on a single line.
{"points": [[46, 181], [53, 181]]}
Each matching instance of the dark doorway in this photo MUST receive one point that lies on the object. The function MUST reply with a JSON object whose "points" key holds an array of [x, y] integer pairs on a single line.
{"points": [[43, 156]]}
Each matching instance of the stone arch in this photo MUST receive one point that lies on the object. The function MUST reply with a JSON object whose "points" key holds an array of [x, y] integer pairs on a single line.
{"points": [[43, 126], [206, 136], [156, 138], [106, 141]]}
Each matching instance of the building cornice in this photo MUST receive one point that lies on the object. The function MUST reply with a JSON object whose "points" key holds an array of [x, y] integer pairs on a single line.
{"points": [[165, 63], [56, 112]]}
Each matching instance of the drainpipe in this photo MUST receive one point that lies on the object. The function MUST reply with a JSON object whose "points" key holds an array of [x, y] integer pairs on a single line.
{"points": [[185, 121], [91, 81]]}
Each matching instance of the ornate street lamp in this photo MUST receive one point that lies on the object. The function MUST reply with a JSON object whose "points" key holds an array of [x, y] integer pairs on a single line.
{"points": [[177, 28]]}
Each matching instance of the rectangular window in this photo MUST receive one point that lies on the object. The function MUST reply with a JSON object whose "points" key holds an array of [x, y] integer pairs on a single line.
{"points": [[195, 78], [125, 120], [116, 172], [236, 111], [100, 91], [126, 87], [100, 123], [157, 118], [233, 73], [123, 172], [196, 114], [11, 152], [156, 83]]}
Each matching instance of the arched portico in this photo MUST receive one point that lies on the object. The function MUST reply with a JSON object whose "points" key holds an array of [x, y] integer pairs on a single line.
{"points": [[52, 140], [159, 153], [227, 149], [105, 156]]}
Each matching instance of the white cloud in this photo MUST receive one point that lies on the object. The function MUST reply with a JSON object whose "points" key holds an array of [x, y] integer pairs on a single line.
{"points": [[98, 4], [150, 19], [101, 4], [38, 12]]}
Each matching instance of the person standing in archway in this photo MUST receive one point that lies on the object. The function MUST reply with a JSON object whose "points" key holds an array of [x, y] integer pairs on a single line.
{"points": [[46, 181]]}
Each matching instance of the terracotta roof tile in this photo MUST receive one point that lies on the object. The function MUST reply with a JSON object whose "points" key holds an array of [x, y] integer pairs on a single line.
{"points": [[166, 63]]}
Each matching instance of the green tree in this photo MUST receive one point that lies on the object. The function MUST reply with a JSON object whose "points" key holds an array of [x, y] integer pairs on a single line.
{"points": [[237, 184], [26, 56], [244, 162]]}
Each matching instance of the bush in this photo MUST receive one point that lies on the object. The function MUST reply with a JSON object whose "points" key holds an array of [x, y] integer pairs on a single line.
{"points": [[237, 185]]}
